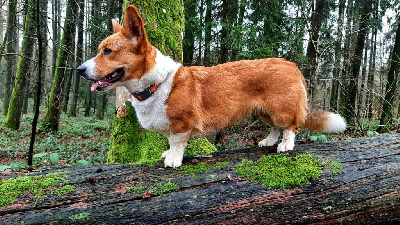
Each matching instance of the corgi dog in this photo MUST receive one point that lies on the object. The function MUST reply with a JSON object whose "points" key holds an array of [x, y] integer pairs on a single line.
{"points": [[180, 101]]}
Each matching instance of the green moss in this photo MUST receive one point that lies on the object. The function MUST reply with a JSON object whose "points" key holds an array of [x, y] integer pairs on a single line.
{"points": [[157, 189], [151, 146], [164, 22], [336, 168], [124, 138], [202, 167], [79, 216], [199, 146], [280, 171], [52, 183]]}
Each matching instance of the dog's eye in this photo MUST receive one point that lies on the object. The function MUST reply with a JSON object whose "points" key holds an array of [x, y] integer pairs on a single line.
{"points": [[107, 51]]}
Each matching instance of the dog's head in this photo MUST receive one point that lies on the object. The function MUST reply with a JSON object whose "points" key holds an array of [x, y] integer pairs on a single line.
{"points": [[123, 56]]}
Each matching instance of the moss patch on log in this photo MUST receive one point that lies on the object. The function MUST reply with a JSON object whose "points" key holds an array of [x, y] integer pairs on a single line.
{"points": [[280, 171], [202, 167], [39, 186], [155, 190]]}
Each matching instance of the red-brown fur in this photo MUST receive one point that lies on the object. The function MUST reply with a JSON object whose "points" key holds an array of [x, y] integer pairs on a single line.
{"points": [[209, 98]]}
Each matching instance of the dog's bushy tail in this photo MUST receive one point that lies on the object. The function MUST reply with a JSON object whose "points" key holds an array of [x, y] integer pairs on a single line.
{"points": [[320, 120]]}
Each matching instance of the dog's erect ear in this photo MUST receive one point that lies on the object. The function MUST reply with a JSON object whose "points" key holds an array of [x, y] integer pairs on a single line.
{"points": [[133, 27], [117, 28]]}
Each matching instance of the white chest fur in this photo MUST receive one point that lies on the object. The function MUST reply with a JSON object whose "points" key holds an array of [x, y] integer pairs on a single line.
{"points": [[152, 112]]}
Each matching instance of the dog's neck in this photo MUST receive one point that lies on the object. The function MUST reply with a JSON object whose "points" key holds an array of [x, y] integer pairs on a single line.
{"points": [[164, 66]]}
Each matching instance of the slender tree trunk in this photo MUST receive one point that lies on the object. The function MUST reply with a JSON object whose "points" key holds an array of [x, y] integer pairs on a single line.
{"points": [[338, 57], [356, 62], [199, 59], [371, 73], [52, 117], [207, 31], [39, 33], [101, 98], [56, 11], [79, 59], [239, 36], [347, 54], [363, 80], [15, 105], [190, 27], [11, 47], [388, 108], [312, 54]]}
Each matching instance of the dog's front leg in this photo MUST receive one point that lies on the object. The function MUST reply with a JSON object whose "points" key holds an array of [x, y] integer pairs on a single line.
{"points": [[177, 143]]}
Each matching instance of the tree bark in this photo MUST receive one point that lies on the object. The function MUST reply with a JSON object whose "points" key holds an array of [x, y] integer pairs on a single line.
{"points": [[15, 106], [190, 28], [312, 54], [11, 47], [351, 100], [386, 119], [335, 94], [52, 117], [79, 59], [40, 33], [207, 32], [366, 193]]}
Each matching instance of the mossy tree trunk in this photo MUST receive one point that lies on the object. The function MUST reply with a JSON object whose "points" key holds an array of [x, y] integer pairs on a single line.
{"points": [[11, 46], [164, 23], [15, 105], [53, 112]]}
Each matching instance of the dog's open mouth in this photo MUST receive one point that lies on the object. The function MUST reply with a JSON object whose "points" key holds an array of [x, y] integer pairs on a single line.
{"points": [[103, 83]]}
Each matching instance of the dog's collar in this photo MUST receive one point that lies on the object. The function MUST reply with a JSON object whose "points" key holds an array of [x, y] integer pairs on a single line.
{"points": [[148, 92]]}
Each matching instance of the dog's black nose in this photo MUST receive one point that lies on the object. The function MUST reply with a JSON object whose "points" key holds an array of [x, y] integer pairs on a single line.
{"points": [[81, 70]]}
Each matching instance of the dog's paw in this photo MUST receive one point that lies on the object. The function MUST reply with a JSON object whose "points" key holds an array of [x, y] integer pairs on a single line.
{"points": [[164, 155], [284, 147], [266, 142], [173, 160]]}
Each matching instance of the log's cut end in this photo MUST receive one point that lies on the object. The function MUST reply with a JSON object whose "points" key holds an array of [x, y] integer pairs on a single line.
{"points": [[368, 191]]}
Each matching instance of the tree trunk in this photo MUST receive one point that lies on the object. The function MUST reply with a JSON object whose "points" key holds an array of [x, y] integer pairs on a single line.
{"points": [[207, 30], [11, 47], [199, 60], [52, 117], [361, 99], [40, 33], [56, 23], [338, 57], [312, 54], [15, 105], [366, 193], [190, 28], [350, 109], [79, 59], [372, 66], [387, 109], [228, 20]]}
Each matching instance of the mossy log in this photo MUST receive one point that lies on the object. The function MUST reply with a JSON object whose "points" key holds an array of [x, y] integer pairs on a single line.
{"points": [[367, 193]]}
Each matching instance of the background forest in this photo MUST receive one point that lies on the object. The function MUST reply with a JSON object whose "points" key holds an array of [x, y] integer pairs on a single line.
{"points": [[347, 50]]}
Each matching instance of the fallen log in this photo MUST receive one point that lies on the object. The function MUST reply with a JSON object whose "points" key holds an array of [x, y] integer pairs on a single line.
{"points": [[368, 191]]}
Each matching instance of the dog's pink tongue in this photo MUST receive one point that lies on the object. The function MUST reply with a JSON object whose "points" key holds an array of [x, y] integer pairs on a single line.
{"points": [[94, 86]]}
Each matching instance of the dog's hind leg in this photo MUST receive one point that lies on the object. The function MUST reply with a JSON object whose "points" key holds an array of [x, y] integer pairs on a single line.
{"points": [[177, 143]]}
